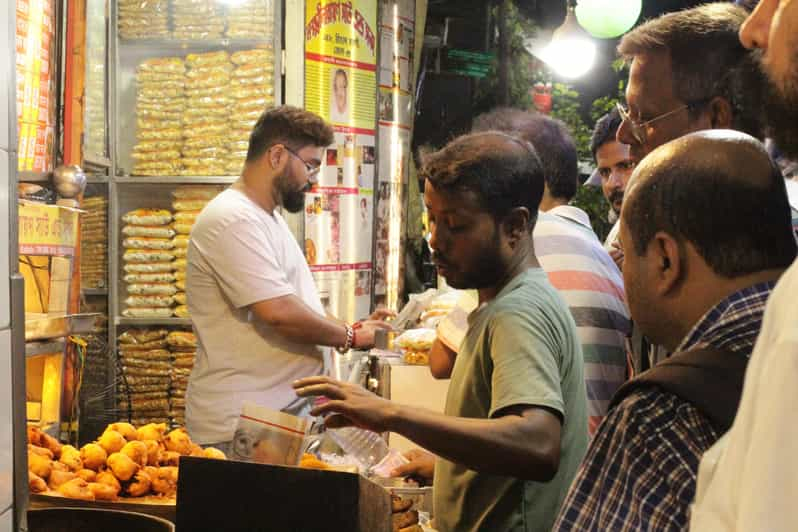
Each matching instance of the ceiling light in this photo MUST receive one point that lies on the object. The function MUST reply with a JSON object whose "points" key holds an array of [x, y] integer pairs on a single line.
{"points": [[571, 52]]}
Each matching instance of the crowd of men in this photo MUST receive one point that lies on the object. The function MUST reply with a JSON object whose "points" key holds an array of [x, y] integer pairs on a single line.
{"points": [[702, 238], [556, 417]]}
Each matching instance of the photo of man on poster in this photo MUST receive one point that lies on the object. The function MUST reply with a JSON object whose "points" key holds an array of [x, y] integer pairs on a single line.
{"points": [[339, 99]]}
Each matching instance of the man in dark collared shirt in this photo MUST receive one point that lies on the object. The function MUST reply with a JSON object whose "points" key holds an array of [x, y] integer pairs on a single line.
{"points": [[696, 277]]}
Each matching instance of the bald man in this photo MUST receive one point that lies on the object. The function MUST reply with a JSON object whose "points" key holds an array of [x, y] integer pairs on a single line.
{"points": [[749, 479], [697, 281]]}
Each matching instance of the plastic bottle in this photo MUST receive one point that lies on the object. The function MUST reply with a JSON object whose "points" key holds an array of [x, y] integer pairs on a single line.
{"points": [[368, 448]]}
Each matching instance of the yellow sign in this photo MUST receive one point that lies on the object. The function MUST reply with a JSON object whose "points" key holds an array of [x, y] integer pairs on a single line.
{"points": [[47, 229], [341, 62]]}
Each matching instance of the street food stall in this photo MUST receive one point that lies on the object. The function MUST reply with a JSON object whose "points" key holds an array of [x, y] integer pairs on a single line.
{"points": [[154, 101]]}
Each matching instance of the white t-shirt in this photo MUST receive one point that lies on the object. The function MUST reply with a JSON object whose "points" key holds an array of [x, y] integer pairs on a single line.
{"points": [[238, 255], [748, 480]]}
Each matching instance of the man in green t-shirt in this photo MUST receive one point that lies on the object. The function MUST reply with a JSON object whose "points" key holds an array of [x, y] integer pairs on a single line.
{"points": [[515, 425]]}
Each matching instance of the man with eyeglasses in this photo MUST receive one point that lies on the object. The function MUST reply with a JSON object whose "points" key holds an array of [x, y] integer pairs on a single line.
{"points": [[259, 321], [689, 72]]}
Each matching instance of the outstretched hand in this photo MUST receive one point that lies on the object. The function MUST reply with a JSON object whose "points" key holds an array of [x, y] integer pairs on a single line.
{"points": [[347, 404], [421, 466]]}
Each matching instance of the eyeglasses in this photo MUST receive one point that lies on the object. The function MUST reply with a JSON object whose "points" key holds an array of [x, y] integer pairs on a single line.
{"points": [[639, 128], [311, 169]]}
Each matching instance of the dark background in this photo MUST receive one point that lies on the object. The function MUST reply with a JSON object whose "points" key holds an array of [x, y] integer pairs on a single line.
{"points": [[446, 103]]}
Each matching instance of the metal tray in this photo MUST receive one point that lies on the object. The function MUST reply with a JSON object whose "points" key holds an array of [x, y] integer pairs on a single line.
{"points": [[159, 507]]}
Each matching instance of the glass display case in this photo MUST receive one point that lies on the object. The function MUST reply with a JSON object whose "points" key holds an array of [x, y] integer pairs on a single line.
{"points": [[192, 77], [189, 80], [95, 103]]}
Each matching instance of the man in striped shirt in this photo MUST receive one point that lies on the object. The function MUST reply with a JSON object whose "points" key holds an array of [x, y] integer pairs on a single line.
{"points": [[591, 285]]}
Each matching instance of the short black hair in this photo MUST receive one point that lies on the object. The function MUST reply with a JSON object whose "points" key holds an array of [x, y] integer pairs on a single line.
{"points": [[732, 208], [292, 126], [549, 136], [707, 59], [504, 172], [606, 130]]}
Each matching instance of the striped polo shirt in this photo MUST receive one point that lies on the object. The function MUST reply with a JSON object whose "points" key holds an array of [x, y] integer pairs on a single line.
{"points": [[592, 286]]}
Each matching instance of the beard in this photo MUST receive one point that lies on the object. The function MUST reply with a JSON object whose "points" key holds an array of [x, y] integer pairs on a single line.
{"points": [[292, 198], [781, 110], [487, 268], [616, 196]]}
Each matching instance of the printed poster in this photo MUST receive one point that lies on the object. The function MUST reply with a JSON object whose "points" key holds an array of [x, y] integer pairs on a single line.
{"points": [[341, 87], [34, 38]]}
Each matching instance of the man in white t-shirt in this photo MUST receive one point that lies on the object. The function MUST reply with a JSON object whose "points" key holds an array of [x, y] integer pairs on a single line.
{"points": [[749, 479], [259, 322]]}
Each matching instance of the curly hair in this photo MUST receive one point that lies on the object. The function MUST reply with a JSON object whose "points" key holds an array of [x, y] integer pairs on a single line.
{"points": [[292, 126]]}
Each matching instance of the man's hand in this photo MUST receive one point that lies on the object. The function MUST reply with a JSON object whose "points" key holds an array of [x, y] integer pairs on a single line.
{"points": [[421, 466], [348, 404], [364, 335], [617, 254], [382, 314]]}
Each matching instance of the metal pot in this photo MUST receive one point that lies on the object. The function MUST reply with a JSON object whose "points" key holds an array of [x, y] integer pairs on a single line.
{"points": [[69, 181]]}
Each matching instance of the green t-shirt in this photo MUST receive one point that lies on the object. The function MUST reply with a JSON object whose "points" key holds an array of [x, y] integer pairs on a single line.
{"points": [[521, 348]]}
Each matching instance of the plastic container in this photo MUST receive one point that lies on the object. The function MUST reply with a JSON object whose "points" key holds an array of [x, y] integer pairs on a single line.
{"points": [[369, 449]]}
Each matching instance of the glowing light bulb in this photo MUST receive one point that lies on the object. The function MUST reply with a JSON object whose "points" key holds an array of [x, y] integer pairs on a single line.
{"points": [[570, 58], [571, 52]]}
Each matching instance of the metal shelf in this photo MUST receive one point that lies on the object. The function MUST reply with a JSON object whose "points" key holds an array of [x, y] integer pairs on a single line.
{"points": [[33, 349], [149, 322], [176, 180], [33, 177], [127, 192], [161, 45], [95, 162], [97, 179], [94, 291]]}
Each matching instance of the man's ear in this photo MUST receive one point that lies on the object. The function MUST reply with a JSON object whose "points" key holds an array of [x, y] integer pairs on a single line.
{"points": [[516, 224], [666, 255], [720, 113], [274, 158]]}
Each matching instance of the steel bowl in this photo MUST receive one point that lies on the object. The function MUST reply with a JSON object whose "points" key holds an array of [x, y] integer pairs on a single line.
{"points": [[69, 181]]}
